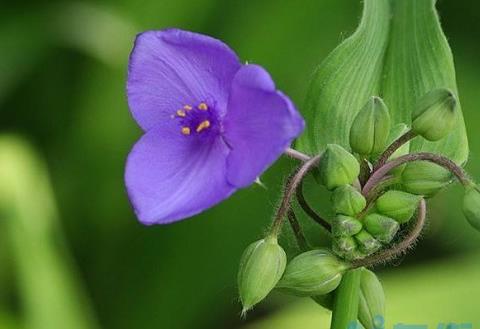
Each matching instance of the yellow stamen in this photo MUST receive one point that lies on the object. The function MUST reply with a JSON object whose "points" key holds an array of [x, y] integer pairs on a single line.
{"points": [[203, 125], [187, 107], [181, 113], [203, 106], [185, 130]]}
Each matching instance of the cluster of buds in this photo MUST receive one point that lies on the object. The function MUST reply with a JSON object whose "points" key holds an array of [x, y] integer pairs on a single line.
{"points": [[376, 191]]}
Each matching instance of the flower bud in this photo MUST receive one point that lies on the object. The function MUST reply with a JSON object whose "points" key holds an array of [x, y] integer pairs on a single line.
{"points": [[261, 267], [315, 272], [398, 205], [345, 226], [338, 167], [471, 206], [367, 243], [344, 245], [370, 128], [371, 309], [434, 115], [381, 227], [424, 178], [348, 201]]}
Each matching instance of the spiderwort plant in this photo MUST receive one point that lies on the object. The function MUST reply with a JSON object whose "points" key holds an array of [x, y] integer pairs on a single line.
{"points": [[213, 125]]}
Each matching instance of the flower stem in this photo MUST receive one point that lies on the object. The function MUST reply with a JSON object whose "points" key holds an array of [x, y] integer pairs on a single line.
{"points": [[405, 138], [401, 247], [347, 298], [291, 186], [440, 160], [297, 155], [297, 231], [309, 210]]}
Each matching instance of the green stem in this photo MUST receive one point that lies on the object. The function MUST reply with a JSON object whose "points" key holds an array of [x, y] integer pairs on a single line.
{"points": [[347, 298]]}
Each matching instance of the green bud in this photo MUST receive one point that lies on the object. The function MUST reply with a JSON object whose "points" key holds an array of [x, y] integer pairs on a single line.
{"points": [[424, 178], [471, 206], [261, 267], [367, 243], [315, 272], [345, 226], [434, 115], [398, 205], [371, 309], [347, 200], [381, 227], [344, 245], [370, 128], [338, 167]]}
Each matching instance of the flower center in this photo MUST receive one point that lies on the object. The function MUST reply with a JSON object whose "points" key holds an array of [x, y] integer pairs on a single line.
{"points": [[200, 120]]}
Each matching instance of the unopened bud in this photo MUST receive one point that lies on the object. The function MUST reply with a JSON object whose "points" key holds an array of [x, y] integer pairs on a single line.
{"points": [[348, 201], [371, 309], [398, 205], [338, 167], [434, 115], [345, 226], [471, 206], [381, 227], [367, 243], [261, 267], [370, 128], [424, 178], [315, 272]]}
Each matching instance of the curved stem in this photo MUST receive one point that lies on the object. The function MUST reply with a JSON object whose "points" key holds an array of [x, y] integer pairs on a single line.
{"points": [[440, 160], [309, 210], [292, 185], [297, 155], [405, 138], [401, 247], [297, 231]]}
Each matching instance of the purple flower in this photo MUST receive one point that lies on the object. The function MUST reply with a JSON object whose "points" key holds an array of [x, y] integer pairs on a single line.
{"points": [[212, 125]]}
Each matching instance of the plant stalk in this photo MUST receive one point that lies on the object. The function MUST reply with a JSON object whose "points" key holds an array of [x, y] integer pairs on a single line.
{"points": [[347, 298]]}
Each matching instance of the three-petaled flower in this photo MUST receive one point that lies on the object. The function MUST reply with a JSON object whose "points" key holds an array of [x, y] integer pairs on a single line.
{"points": [[212, 125]]}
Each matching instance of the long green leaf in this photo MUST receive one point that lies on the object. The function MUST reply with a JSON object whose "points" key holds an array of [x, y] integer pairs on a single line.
{"points": [[345, 80], [419, 60], [398, 52]]}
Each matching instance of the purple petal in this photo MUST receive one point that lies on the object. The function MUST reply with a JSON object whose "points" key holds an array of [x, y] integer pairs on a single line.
{"points": [[170, 176], [259, 125], [169, 69]]}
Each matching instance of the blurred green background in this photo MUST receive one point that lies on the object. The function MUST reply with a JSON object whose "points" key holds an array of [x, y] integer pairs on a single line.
{"points": [[72, 254]]}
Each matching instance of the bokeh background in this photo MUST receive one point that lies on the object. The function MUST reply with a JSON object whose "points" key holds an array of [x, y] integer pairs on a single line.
{"points": [[72, 254]]}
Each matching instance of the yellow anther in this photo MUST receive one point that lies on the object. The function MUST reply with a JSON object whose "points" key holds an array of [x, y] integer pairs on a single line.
{"points": [[181, 113], [187, 107], [203, 106], [203, 125], [185, 130]]}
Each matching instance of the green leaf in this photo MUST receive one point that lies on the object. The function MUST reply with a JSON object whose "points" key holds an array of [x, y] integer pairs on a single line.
{"points": [[398, 52], [419, 60], [345, 80]]}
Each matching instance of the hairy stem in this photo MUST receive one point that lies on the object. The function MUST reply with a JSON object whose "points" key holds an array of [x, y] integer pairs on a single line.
{"points": [[364, 171], [297, 231], [405, 138], [290, 188], [347, 298], [297, 155], [440, 160], [400, 247], [309, 210]]}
